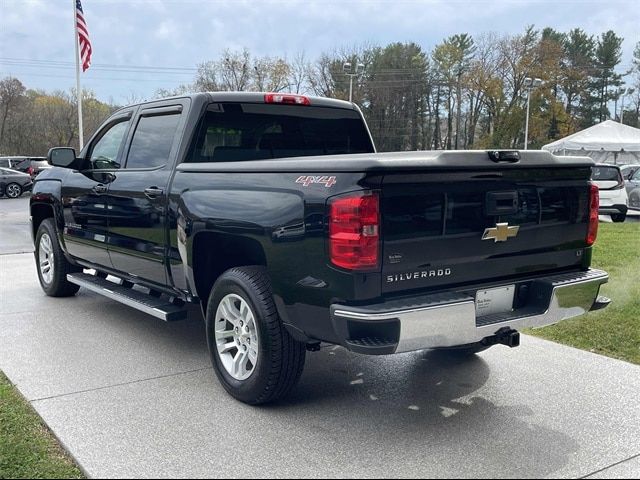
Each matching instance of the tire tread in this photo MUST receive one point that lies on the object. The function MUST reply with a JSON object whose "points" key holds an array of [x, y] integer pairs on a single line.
{"points": [[287, 355]]}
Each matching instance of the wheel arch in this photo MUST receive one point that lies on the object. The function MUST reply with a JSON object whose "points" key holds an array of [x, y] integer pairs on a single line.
{"points": [[39, 213], [214, 253]]}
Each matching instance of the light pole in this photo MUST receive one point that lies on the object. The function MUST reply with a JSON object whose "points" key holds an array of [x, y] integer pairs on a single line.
{"points": [[348, 70], [529, 84], [629, 91]]}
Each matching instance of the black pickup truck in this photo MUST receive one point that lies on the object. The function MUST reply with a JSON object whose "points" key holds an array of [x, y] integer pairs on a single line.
{"points": [[277, 216]]}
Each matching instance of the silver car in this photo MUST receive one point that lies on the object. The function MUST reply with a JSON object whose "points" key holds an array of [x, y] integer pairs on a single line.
{"points": [[633, 189], [13, 183]]}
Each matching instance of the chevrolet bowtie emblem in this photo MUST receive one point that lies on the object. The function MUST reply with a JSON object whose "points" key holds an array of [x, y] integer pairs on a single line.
{"points": [[501, 233]]}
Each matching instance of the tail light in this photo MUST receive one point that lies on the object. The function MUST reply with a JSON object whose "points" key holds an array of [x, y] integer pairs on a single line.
{"points": [[286, 98], [30, 171], [594, 205], [354, 231]]}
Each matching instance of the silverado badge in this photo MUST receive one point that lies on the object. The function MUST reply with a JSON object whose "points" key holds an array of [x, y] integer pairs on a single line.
{"points": [[501, 233]]}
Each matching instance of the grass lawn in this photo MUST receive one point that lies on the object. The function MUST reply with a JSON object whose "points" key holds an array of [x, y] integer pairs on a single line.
{"points": [[27, 448], [614, 331]]}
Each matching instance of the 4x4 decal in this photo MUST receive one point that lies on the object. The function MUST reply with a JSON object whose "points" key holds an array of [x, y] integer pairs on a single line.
{"points": [[307, 180]]}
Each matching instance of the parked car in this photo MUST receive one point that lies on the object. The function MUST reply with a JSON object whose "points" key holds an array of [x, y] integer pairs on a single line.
{"points": [[628, 171], [30, 165], [33, 166], [633, 190], [614, 200], [11, 162], [14, 183]]}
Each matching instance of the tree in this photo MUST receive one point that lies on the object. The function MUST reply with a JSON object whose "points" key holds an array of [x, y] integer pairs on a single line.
{"points": [[579, 51], [392, 93], [603, 79], [11, 93]]}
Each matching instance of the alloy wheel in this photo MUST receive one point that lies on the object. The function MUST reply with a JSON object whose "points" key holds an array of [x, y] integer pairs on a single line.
{"points": [[13, 190], [236, 337], [45, 258]]}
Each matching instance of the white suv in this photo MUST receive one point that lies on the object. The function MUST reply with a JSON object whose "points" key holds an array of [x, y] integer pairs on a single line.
{"points": [[613, 195]]}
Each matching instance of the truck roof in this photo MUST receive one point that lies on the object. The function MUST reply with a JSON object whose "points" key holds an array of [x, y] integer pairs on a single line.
{"points": [[250, 97]]}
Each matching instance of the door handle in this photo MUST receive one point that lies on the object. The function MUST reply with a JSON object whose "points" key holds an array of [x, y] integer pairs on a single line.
{"points": [[153, 192], [100, 188]]}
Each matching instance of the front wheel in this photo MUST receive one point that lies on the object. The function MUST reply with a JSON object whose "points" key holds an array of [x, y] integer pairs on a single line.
{"points": [[13, 190], [253, 356], [53, 266], [618, 217]]}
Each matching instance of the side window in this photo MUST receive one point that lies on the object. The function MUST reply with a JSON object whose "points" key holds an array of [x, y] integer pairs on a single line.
{"points": [[152, 141], [105, 151], [636, 176]]}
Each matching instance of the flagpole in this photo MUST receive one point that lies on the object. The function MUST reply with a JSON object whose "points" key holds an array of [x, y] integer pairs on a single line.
{"points": [[78, 89]]}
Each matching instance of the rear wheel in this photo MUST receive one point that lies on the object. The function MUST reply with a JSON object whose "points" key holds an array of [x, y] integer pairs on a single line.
{"points": [[618, 217], [13, 190], [254, 357], [53, 266], [634, 199]]}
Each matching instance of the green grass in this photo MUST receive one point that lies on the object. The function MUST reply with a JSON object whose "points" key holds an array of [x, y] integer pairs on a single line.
{"points": [[614, 331], [27, 447]]}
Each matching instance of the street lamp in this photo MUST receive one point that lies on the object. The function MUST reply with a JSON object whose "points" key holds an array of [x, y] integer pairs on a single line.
{"points": [[348, 70], [628, 91], [529, 84]]}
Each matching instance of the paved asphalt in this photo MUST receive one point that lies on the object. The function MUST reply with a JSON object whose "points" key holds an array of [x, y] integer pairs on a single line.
{"points": [[130, 396]]}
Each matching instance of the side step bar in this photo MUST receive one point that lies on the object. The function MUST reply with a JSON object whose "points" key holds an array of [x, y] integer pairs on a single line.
{"points": [[160, 307]]}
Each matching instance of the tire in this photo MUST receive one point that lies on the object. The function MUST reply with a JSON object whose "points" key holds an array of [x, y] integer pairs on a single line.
{"points": [[465, 350], [279, 359], [634, 199], [51, 263], [13, 190], [618, 217]]}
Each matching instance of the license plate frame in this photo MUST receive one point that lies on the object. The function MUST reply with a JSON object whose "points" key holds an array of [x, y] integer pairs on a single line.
{"points": [[490, 301]]}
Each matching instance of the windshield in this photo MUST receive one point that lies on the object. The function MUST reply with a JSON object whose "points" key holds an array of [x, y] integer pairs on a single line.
{"points": [[237, 132]]}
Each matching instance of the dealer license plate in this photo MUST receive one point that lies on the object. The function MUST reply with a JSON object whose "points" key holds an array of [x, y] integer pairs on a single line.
{"points": [[494, 300]]}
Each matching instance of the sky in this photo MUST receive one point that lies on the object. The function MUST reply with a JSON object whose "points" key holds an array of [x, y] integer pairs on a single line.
{"points": [[140, 46]]}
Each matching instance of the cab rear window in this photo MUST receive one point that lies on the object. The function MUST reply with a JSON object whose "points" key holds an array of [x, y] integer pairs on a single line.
{"points": [[236, 132]]}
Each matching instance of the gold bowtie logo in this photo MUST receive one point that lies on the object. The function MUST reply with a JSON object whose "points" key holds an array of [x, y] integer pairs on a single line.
{"points": [[501, 233]]}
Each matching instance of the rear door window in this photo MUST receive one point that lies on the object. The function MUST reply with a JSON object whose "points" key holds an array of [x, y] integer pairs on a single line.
{"points": [[152, 141], [236, 132]]}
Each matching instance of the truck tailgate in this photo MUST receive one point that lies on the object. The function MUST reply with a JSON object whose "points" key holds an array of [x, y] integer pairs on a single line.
{"points": [[443, 229]]}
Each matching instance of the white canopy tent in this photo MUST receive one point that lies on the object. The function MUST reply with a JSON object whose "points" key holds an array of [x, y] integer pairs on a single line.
{"points": [[606, 142]]}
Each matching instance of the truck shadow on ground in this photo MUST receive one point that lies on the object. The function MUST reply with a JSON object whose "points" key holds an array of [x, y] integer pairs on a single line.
{"points": [[416, 404]]}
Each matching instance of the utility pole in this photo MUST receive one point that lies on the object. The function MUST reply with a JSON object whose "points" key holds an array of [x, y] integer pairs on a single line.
{"points": [[348, 70], [529, 84]]}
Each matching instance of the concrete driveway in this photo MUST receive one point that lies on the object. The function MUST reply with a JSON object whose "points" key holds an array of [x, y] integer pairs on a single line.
{"points": [[130, 396]]}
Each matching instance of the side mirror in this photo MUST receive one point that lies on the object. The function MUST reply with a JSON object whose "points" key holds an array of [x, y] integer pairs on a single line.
{"points": [[63, 157]]}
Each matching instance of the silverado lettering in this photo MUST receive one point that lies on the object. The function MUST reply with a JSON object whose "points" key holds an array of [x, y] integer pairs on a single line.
{"points": [[442, 272], [190, 200]]}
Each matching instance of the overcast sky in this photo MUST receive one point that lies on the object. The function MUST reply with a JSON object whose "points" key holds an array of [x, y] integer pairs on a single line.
{"points": [[36, 36]]}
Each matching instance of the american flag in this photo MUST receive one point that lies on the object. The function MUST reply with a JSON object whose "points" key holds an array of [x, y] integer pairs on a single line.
{"points": [[83, 37]]}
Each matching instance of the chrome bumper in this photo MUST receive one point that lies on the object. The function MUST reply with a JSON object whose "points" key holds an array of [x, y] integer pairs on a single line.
{"points": [[449, 319]]}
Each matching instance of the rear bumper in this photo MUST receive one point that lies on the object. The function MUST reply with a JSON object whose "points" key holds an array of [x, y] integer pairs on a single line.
{"points": [[449, 319], [615, 209]]}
